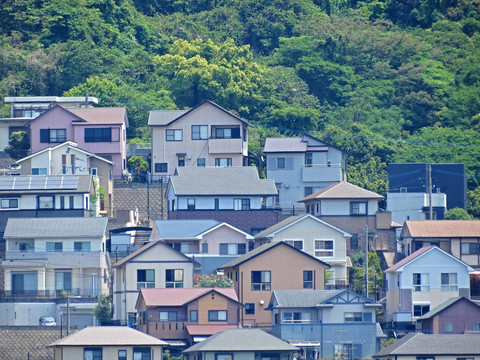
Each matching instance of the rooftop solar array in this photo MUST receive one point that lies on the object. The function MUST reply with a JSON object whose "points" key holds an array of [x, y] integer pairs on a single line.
{"points": [[69, 182]]}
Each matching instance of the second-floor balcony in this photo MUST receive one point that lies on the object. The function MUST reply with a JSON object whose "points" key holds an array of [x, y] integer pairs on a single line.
{"points": [[297, 329], [36, 295], [77, 259], [322, 172], [227, 146]]}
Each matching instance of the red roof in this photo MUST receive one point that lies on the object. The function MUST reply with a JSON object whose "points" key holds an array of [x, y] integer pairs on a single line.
{"points": [[195, 330], [102, 115], [180, 297], [410, 258]]}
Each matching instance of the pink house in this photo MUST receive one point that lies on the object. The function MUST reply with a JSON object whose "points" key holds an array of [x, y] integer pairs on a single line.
{"points": [[101, 131]]}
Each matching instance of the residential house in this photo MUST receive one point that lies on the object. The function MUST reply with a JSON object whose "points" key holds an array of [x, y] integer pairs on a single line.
{"points": [[461, 238], [154, 265], [245, 344], [318, 239], [423, 281], [355, 210], [68, 159], [206, 135], [183, 317], [108, 342], [48, 259], [24, 109], [457, 315], [432, 347], [301, 166], [409, 193], [101, 131], [326, 322], [235, 195], [272, 266], [211, 243]]}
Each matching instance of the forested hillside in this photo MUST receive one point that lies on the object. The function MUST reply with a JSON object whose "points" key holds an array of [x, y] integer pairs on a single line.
{"points": [[387, 81]]}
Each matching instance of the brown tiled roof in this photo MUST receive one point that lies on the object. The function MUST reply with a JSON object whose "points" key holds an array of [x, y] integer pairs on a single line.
{"points": [[28, 343], [181, 296], [102, 115], [410, 258], [443, 228], [195, 330], [343, 190]]}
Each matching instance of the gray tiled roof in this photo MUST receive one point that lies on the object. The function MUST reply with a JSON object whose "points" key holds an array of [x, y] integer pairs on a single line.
{"points": [[242, 180], [242, 340], [283, 145], [55, 227], [183, 229], [302, 298], [343, 190], [108, 336], [164, 117], [19, 343], [438, 344]]}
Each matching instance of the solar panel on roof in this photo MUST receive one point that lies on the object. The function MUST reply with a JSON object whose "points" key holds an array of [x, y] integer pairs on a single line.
{"points": [[70, 182], [53, 182], [37, 182], [21, 183], [6, 183]]}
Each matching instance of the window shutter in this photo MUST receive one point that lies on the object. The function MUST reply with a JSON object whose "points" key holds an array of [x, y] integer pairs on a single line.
{"points": [[44, 135]]}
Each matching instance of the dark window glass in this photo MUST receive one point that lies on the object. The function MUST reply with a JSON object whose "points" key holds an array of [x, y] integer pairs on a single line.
{"points": [[98, 135]]}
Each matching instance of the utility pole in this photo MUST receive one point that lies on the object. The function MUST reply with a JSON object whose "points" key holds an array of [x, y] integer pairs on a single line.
{"points": [[430, 191], [366, 261]]}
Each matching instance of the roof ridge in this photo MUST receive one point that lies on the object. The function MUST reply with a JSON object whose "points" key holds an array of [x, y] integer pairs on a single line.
{"points": [[408, 340]]}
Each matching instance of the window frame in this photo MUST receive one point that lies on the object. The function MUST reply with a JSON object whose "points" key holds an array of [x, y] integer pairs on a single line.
{"points": [[97, 134], [420, 309], [191, 203], [142, 350], [250, 308], [294, 243], [42, 199], [168, 315], [95, 355], [55, 246], [224, 356], [308, 283], [356, 210], [161, 167], [213, 315], [83, 246], [148, 281], [9, 200], [174, 283], [323, 252], [195, 317], [122, 354], [197, 132], [450, 285], [420, 282], [264, 284], [56, 136], [201, 162], [174, 135], [241, 204], [218, 162]]}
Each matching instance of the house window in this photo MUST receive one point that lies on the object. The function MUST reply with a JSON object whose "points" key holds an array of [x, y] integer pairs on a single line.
{"points": [[470, 248], [250, 308], [449, 282], [448, 327], [324, 248], [308, 159], [98, 135], [199, 132], [46, 202], [145, 278], [280, 163], [227, 133], [92, 354], [71, 202], [476, 327], [94, 172], [142, 353], [358, 208], [308, 279], [174, 135], [193, 315], [261, 280], [353, 317], [241, 204], [201, 162], [63, 280], [354, 242], [53, 135], [217, 315], [168, 316], [190, 204], [81, 246], [224, 162], [298, 244], [26, 246], [425, 357], [39, 171], [122, 354], [174, 278], [421, 282], [181, 161], [223, 356], [205, 248], [26, 281], [420, 309], [54, 246], [308, 190], [9, 203], [296, 318], [161, 167], [232, 249], [349, 351]]}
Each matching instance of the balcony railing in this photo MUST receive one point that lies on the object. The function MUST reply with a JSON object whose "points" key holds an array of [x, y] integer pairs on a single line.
{"points": [[7, 295]]}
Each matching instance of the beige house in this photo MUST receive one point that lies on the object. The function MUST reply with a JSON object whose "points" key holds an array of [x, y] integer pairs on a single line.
{"points": [[273, 266], [206, 135], [155, 265], [109, 342], [317, 238], [68, 159]]}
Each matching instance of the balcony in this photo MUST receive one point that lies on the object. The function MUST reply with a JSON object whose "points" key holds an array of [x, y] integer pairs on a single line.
{"points": [[227, 146], [75, 259], [35, 295], [298, 330], [322, 172]]}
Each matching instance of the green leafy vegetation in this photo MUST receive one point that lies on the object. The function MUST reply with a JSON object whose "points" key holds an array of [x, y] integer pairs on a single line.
{"points": [[385, 80]]}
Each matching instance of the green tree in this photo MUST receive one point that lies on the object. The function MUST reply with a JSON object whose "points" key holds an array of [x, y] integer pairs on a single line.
{"points": [[18, 145], [213, 281], [357, 273], [103, 309], [473, 202], [458, 214], [137, 164]]}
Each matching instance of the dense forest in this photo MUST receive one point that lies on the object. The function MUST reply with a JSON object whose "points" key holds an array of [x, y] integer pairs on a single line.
{"points": [[385, 80]]}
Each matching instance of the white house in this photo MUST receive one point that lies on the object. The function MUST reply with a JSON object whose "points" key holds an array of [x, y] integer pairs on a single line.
{"points": [[423, 281], [47, 259], [317, 238], [301, 166]]}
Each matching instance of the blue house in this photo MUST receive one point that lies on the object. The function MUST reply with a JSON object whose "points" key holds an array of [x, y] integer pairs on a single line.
{"points": [[326, 322]]}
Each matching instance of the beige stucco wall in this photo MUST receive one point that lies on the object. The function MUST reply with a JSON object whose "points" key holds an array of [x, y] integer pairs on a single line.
{"points": [[207, 114], [223, 234], [108, 352]]}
